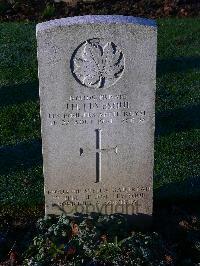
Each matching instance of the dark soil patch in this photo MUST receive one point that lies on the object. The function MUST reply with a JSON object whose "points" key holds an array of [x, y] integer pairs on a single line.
{"points": [[36, 10]]}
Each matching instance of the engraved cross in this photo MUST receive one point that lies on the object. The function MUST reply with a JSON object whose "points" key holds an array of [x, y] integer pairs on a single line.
{"points": [[99, 151]]}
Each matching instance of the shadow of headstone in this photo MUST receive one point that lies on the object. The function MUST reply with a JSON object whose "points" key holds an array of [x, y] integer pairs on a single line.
{"points": [[177, 64], [19, 93], [21, 156]]}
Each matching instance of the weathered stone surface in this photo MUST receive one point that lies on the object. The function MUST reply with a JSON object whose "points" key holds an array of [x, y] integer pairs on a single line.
{"points": [[97, 88]]}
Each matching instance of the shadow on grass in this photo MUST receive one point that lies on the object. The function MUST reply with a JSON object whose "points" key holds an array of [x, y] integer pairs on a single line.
{"points": [[28, 154], [178, 120], [29, 92], [19, 93], [177, 64], [26, 92], [179, 191], [19, 157]]}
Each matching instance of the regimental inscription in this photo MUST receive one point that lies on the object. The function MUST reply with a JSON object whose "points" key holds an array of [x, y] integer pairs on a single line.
{"points": [[98, 110], [97, 64]]}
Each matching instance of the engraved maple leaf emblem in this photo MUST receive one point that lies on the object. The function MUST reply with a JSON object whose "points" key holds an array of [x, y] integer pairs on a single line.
{"points": [[99, 66]]}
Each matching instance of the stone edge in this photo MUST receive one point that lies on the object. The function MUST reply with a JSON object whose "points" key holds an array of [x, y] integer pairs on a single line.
{"points": [[95, 19]]}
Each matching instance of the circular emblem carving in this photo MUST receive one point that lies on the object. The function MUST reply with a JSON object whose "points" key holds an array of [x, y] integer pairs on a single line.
{"points": [[97, 64]]}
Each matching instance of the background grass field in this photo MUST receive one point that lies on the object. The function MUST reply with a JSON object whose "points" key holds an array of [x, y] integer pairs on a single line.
{"points": [[177, 137]]}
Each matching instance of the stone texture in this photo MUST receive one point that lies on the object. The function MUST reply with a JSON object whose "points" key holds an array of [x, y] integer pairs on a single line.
{"points": [[97, 79]]}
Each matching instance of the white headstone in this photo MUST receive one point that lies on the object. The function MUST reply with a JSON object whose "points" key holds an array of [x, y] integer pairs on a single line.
{"points": [[97, 78]]}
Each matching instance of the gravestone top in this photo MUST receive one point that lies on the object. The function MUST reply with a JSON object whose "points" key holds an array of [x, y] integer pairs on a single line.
{"points": [[95, 19], [97, 77]]}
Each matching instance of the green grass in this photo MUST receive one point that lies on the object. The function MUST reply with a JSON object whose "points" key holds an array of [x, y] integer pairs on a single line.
{"points": [[177, 142]]}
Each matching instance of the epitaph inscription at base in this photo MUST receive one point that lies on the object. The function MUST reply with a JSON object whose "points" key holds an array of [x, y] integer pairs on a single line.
{"points": [[97, 94]]}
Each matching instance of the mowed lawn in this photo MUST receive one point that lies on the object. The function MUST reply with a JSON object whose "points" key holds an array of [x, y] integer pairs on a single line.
{"points": [[177, 136]]}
